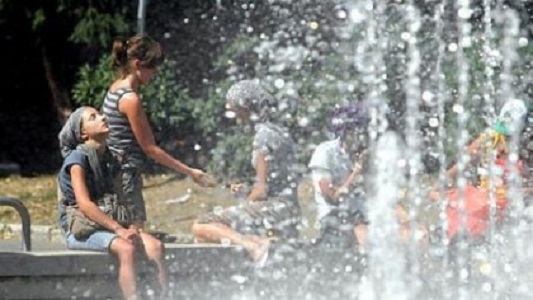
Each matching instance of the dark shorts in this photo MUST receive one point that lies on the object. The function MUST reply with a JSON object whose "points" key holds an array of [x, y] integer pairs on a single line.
{"points": [[278, 216], [131, 183], [337, 227]]}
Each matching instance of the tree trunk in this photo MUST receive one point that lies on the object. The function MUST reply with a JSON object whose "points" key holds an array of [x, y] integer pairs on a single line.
{"points": [[60, 98]]}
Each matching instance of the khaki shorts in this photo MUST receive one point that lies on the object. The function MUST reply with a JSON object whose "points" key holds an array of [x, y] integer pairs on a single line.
{"points": [[277, 216]]}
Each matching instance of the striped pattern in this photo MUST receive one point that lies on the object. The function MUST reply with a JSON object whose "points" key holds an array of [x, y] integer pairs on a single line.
{"points": [[121, 139]]}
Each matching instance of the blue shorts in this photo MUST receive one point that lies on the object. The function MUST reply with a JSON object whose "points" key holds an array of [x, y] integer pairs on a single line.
{"points": [[99, 241]]}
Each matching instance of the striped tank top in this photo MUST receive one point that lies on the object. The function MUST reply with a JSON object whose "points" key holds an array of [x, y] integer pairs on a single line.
{"points": [[121, 139]]}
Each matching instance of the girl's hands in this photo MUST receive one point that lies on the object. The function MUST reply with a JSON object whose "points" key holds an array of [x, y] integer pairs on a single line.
{"points": [[202, 179], [129, 234]]}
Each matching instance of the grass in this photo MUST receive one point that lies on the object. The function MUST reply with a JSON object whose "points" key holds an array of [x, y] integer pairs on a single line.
{"points": [[39, 195]]}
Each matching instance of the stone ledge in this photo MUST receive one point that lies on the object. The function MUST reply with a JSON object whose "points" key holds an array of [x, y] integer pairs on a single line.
{"points": [[69, 274], [181, 258]]}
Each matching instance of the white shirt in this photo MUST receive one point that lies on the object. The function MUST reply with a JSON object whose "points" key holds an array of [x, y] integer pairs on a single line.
{"points": [[329, 162]]}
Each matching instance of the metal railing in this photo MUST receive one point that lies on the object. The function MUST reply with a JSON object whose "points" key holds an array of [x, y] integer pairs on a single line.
{"points": [[24, 216]]}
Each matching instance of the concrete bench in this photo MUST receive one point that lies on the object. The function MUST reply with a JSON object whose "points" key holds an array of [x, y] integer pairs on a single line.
{"points": [[64, 274]]}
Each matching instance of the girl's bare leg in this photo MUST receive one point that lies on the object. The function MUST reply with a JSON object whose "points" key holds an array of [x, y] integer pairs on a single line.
{"points": [[216, 232]]}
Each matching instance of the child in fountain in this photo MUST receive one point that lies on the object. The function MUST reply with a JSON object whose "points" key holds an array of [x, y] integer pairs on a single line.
{"points": [[272, 203], [491, 144], [86, 184], [337, 171]]}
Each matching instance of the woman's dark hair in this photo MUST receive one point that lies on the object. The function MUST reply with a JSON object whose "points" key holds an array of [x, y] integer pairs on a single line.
{"points": [[349, 116], [141, 47]]}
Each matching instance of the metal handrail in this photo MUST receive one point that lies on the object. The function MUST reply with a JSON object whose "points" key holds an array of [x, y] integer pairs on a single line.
{"points": [[25, 217]]}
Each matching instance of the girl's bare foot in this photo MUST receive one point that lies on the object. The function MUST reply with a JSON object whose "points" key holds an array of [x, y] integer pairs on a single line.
{"points": [[259, 251]]}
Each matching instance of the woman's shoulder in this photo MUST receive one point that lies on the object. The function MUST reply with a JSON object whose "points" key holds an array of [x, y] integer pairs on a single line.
{"points": [[76, 154], [121, 91], [271, 130], [75, 157]]}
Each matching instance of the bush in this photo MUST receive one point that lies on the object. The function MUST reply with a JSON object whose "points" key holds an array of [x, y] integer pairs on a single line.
{"points": [[167, 104]]}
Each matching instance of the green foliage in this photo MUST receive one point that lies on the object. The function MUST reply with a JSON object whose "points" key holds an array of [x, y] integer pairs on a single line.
{"points": [[315, 77], [38, 19], [326, 75], [231, 157], [98, 21], [165, 102], [98, 28], [209, 113], [318, 68], [93, 83]]}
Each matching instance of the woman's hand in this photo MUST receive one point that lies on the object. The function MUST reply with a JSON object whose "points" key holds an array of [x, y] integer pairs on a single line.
{"points": [[341, 191], [202, 179], [237, 188], [129, 234]]}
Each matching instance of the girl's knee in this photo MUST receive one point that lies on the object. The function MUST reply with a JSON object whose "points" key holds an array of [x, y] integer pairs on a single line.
{"points": [[199, 228], [153, 245], [123, 249]]}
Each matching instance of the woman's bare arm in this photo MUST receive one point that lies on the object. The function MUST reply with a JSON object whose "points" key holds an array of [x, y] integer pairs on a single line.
{"points": [[87, 207], [258, 191], [131, 106]]}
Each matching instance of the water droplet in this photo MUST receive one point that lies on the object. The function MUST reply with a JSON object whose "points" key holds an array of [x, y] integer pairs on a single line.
{"points": [[279, 83], [239, 279], [463, 274], [230, 114], [486, 287], [458, 108], [485, 268], [313, 25], [433, 122], [452, 47], [356, 16], [348, 269], [522, 42], [197, 147], [303, 122], [507, 268], [464, 13], [402, 163], [466, 42]]}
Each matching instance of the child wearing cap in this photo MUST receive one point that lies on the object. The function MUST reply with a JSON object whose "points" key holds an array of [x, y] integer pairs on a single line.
{"points": [[271, 205], [493, 144]]}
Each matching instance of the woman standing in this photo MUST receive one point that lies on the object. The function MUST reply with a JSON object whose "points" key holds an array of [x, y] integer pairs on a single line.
{"points": [[131, 138], [272, 203]]}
